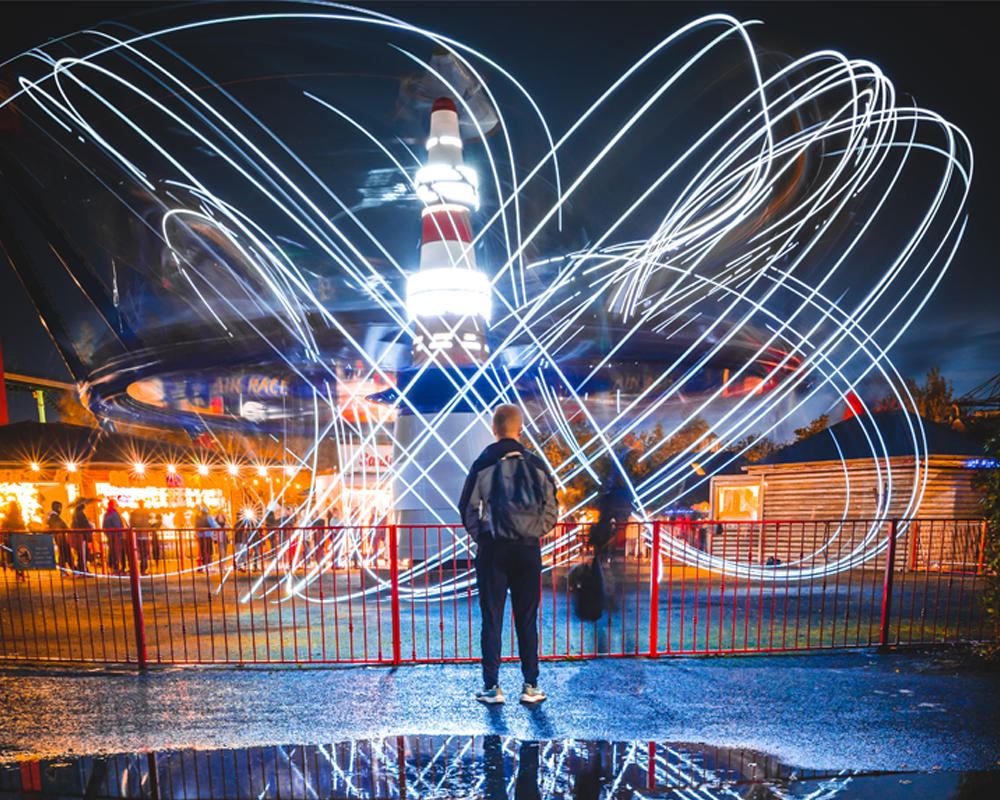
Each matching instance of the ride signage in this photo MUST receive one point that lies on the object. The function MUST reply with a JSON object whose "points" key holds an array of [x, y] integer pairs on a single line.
{"points": [[33, 550]]}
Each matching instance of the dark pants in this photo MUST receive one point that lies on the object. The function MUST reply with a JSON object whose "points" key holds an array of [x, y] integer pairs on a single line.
{"points": [[143, 546], [501, 566], [116, 551], [205, 548]]}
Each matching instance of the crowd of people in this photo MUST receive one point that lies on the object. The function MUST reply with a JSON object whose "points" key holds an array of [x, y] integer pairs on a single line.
{"points": [[280, 537]]}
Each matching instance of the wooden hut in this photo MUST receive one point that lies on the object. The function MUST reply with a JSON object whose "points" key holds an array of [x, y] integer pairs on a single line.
{"points": [[846, 470]]}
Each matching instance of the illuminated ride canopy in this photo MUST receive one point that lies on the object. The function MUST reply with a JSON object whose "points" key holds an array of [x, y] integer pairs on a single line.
{"points": [[217, 220]]}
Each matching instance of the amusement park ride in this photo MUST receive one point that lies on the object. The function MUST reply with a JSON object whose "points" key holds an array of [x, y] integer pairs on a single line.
{"points": [[240, 258]]}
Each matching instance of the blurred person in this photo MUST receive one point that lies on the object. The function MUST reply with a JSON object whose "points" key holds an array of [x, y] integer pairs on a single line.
{"points": [[13, 522], [81, 536], [315, 538], [222, 536], [508, 503], [615, 505], [54, 522], [245, 543], [204, 525], [114, 534], [242, 533], [155, 540], [141, 523], [266, 537]]}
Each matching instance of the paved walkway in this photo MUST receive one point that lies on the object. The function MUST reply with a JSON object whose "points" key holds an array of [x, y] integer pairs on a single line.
{"points": [[856, 710]]}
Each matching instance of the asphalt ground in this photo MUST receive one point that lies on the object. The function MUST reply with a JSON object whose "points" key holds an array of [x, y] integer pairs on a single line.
{"points": [[857, 710]]}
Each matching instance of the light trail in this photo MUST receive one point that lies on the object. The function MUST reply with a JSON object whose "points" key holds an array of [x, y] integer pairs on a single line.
{"points": [[754, 237]]}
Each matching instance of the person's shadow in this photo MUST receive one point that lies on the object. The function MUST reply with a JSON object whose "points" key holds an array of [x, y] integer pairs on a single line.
{"points": [[540, 725], [497, 722]]}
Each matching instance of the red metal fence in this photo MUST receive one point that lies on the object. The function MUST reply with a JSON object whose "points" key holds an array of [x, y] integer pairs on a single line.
{"points": [[343, 595]]}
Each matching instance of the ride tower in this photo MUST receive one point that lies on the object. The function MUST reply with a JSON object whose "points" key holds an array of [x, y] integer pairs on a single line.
{"points": [[438, 433]]}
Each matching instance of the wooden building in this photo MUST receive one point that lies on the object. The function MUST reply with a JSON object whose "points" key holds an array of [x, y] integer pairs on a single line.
{"points": [[834, 475]]}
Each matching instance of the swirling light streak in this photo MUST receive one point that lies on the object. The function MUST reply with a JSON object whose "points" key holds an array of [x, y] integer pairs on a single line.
{"points": [[736, 186]]}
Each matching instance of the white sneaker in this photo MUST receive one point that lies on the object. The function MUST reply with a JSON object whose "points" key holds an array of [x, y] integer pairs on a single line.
{"points": [[531, 694], [490, 695]]}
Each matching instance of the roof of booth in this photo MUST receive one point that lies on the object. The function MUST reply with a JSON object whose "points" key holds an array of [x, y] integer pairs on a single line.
{"points": [[55, 443], [886, 433]]}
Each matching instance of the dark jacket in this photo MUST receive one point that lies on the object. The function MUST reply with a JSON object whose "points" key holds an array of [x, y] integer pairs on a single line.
{"points": [[112, 520], [55, 522], [474, 504], [140, 520]]}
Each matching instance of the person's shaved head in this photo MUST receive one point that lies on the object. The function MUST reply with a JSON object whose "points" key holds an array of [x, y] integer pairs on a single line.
{"points": [[507, 422]]}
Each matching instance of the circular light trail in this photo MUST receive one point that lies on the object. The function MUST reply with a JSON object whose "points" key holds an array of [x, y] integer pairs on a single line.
{"points": [[790, 230]]}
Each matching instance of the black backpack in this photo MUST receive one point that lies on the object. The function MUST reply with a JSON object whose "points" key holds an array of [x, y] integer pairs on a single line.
{"points": [[517, 499], [586, 588]]}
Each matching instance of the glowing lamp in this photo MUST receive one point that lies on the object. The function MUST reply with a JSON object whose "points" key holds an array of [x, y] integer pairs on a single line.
{"points": [[444, 140], [35, 467], [289, 470], [262, 471], [203, 469], [139, 468], [171, 469], [234, 470], [435, 292], [70, 466]]}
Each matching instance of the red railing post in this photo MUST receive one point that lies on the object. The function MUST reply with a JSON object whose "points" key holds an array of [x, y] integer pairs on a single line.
{"points": [[890, 557], [138, 618], [394, 582], [654, 594]]}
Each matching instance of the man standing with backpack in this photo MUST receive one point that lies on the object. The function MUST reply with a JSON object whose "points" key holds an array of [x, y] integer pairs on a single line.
{"points": [[507, 505]]}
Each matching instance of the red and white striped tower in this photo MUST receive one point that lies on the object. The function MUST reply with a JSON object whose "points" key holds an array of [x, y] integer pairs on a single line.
{"points": [[449, 298]]}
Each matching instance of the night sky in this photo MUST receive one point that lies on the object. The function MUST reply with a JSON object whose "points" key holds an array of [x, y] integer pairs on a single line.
{"points": [[566, 53]]}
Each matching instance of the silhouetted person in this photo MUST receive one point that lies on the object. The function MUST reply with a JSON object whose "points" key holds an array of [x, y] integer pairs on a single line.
{"points": [[141, 523], [155, 542], [13, 522], [114, 532], [507, 505], [204, 525], [242, 533], [222, 536], [55, 523], [81, 536]]}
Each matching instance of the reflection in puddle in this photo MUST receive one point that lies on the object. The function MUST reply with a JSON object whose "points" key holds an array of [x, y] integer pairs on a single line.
{"points": [[491, 767]]}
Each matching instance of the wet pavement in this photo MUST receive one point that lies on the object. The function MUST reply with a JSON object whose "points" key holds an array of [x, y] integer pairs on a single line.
{"points": [[853, 711]]}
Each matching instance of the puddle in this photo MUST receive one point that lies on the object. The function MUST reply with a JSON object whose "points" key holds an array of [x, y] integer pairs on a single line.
{"points": [[490, 767]]}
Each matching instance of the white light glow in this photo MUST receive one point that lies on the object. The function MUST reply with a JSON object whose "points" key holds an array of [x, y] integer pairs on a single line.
{"points": [[444, 183], [435, 292], [448, 141]]}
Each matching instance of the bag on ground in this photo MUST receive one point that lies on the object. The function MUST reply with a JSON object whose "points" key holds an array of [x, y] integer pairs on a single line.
{"points": [[586, 588]]}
